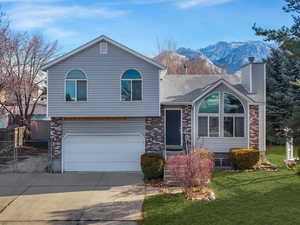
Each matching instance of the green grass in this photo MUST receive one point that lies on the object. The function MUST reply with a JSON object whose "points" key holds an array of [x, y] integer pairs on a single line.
{"points": [[256, 198]]}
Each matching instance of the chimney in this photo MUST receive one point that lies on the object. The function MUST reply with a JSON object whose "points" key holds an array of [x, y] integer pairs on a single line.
{"points": [[251, 59], [253, 78]]}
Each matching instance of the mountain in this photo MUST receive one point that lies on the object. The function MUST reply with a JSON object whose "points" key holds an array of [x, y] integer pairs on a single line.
{"points": [[181, 64], [230, 55]]}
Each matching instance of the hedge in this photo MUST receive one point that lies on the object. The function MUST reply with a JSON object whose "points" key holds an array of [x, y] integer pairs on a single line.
{"points": [[243, 159], [152, 165]]}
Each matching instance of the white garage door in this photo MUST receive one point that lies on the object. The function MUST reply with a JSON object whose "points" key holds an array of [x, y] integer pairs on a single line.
{"points": [[102, 152]]}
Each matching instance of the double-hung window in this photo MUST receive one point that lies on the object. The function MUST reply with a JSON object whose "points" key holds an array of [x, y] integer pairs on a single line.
{"points": [[76, 86], [131, 86]]}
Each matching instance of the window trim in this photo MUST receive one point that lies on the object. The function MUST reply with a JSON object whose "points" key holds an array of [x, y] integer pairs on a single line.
{"points": [[208, 115], [221, 115], [65, 86], [142, 86]]}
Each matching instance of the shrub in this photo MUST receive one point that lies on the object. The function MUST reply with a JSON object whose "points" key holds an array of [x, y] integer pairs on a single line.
{"points": [[243, 159], [192, 170], [152, 165]]}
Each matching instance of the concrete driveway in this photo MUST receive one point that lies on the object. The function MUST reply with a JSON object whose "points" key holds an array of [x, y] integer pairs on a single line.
{"points": [[71, 198]]}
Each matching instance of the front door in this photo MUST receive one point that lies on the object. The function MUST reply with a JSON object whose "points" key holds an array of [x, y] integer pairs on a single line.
{"points": [[173, 127]]}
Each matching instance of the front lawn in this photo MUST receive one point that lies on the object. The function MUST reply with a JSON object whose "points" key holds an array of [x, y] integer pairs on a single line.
{"points": [[256, 198]]}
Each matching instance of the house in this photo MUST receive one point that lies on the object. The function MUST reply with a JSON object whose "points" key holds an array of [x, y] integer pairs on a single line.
{"points": [[109, 104]]}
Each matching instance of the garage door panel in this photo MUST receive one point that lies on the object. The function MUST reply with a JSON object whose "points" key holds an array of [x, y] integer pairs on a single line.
{"points": [[105, 167], [102, 157], [102, 150], [103, 153]]}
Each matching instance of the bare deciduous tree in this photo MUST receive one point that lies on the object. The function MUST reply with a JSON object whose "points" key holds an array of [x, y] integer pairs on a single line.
{"points": [[21, 57], [167, 55]]}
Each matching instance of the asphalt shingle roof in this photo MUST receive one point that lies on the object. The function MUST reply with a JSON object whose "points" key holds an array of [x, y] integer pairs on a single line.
{"points": [[186, 88]]}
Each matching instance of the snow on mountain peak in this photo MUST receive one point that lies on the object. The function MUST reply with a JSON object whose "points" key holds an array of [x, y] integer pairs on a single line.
{"points": [[230, 55]]}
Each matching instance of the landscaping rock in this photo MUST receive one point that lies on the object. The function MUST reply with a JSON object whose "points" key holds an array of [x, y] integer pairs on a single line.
{"points": [[268, 166], [211, 196]]}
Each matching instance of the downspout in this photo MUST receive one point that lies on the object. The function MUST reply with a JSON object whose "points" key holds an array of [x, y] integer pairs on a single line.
{"points": [[194, 126]]}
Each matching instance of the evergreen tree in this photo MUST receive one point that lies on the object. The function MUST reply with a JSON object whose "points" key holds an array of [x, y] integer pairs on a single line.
{"points": [[288, 38], [282, 95]]}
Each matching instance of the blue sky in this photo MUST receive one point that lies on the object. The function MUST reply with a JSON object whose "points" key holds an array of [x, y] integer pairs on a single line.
{"points": [[139, 23]]}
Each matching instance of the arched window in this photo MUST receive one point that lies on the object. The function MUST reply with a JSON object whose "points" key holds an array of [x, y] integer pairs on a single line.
{"points": [[210, 104], [232, 104], [76, 86], [131, 86], [208, 120], [211, 115], [234, 119]]}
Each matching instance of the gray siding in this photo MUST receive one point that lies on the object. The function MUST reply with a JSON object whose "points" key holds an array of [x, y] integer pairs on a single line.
{"points": [[246, 77], [221, 144], [132, 125], [259, 81], [259, 88], [103, 72]]}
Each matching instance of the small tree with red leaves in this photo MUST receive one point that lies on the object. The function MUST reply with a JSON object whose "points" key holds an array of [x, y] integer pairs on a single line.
{"points": [[192, 171]]}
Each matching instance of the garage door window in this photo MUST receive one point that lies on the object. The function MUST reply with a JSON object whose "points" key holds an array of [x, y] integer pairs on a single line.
{"points": [[76, 86]]}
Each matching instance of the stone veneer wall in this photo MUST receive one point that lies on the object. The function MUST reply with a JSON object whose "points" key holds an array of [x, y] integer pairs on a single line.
{"points": [[155, 133], [155, 129], [187, 125], [56, 132], [254, 126]]}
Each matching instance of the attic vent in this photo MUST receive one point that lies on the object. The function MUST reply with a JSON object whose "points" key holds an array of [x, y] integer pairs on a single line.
{"points": [[103, 48]]}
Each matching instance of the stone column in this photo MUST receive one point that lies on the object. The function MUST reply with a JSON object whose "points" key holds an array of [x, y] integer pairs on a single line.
{"points": [[187, 126], [254, 126], [155, 134], [56, 132]]}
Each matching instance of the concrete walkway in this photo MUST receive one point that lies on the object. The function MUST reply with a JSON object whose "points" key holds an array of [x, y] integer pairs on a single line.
{"points": [[71, 198]]}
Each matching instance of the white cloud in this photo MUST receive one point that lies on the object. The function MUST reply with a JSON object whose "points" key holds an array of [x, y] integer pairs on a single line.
{"points": [[58, 33], [192, 3], [30, 16]]}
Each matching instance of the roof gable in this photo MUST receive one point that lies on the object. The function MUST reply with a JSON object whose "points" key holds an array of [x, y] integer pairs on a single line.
{"points": [[95, 41], [225, 83]]}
